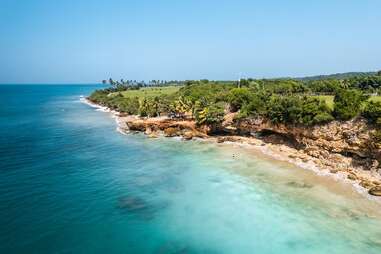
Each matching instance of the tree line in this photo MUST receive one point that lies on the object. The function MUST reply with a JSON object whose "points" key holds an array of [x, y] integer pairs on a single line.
{"points": [[286, 101]]}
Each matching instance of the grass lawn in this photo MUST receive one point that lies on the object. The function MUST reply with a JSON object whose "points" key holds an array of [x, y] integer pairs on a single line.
{"points": [[145, 92], [375, 98], [329, 99]]}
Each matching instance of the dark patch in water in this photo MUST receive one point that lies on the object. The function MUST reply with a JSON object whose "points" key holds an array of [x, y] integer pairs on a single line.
{"points": [[373, 243], [152, 184], [351, 214], [299, 185], [298, 245], [132, 203], [178, 248], [172, 248], [140, 207]]}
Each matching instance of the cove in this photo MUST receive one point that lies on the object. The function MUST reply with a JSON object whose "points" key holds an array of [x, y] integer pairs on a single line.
{"points": [[70, 183]]}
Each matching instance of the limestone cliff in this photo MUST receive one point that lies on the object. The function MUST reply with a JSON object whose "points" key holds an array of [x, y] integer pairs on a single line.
{"points": [[347, 147], [352, 139]]}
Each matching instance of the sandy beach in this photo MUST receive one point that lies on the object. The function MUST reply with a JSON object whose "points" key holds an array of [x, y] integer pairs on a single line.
{"points": [[278, 152]]}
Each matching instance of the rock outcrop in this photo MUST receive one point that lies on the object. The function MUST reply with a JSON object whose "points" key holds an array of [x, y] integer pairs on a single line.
{"points": [[375, 191], [168, 127], [339, 147], [333, 141]]}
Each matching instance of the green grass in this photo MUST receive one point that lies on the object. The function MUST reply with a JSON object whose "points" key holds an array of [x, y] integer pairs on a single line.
{"points": [[375, 98], [329, 99], [150, 92]]}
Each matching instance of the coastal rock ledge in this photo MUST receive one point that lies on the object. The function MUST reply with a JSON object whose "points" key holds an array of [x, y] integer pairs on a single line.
{"points": [[346, 147], [375, 191]]}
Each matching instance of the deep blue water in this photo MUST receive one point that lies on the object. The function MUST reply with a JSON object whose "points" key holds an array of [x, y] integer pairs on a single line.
{"points": [[70, 183]]}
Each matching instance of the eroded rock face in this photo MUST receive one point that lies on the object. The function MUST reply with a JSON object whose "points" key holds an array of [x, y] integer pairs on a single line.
{"points": [[170, 128], [333, 141], [338, 146]]}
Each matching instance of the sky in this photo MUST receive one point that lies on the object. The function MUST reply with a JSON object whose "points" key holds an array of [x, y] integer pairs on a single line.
{"points": [[85, 41]]}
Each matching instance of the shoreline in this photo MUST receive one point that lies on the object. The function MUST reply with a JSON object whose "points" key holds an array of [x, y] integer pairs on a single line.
{"points": [[279, 152]]}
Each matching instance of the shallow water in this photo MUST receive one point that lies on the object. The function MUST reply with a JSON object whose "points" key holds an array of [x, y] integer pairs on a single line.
{"points": [[69, 183]]}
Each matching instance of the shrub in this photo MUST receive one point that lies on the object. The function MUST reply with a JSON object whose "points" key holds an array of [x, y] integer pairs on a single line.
{"points": [[369, 83], [99, 96], [129, 106], [238, 97], [328, 86], [212, 114], [256, 106], [298, 110], [283, 86], [148, 107], [347, 103], [372, 112], [315, 111]]}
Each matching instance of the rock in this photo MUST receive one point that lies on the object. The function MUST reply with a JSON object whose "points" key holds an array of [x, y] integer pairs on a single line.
{"points": [[336, 142], [171, 132], [131, 203], [299, 185], [136, 126], [188, 135], [375, 191], [153, 135], [228, 139], [220, 140], [366, 184], [374, 165], [148, 131], [352, 176]]}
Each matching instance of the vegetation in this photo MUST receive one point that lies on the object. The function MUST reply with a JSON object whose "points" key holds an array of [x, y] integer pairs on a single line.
{"points": [[347, 103], [288, 101], [151, 92], [372, 112]]}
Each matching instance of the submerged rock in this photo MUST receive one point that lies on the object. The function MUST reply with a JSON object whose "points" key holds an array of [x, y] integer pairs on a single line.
{"points": [[153, 135], [131, 203], [375, 191], [299, 185], [172, 248], [171, 132], [140, 207]]}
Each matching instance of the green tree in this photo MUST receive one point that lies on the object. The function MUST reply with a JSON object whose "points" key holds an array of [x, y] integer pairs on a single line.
{"points": [[256, 106], [212, 114], [148, 107], [347, 103], [372, 112], [238, 97], [298, 110], [130, 106]]}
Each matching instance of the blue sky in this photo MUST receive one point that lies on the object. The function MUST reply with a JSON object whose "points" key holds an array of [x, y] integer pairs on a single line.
{"points": [[46, 41]]}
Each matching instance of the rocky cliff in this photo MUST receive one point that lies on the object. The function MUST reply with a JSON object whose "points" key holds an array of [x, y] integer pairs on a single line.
{"points": [[351, 139], [346, 147]]}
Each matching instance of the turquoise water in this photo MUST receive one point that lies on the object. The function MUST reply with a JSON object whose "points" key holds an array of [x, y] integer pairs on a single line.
{"points": [[69, 183]]}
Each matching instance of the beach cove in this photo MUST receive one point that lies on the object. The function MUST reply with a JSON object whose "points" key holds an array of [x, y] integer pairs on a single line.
{"points": [[335, 166], [71, 183]]}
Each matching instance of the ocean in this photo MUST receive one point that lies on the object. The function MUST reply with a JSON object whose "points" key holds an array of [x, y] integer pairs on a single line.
{"points": [[70, 183]]}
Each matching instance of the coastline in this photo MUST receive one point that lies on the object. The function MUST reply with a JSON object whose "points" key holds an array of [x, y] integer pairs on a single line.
{"points": [[279, 152]]}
